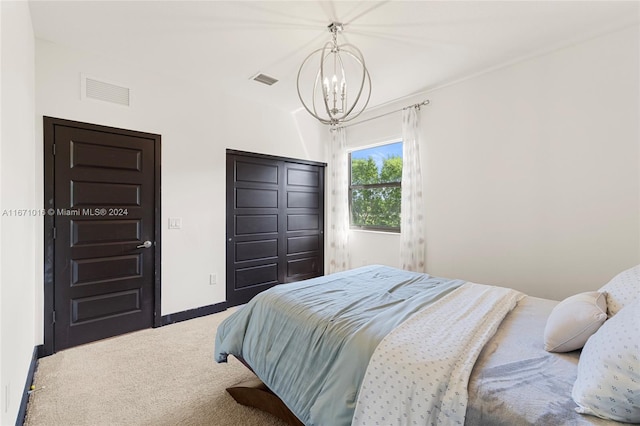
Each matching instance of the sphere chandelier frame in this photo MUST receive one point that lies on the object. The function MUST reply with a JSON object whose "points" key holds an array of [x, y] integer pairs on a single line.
{"points": [[335, 108]]}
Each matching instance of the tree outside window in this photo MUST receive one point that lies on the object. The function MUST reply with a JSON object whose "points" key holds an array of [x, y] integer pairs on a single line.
{"points": [[375, 187]]}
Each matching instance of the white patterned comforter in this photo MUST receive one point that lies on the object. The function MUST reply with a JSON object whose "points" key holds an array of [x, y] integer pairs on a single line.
{"points": [[418, 374]]}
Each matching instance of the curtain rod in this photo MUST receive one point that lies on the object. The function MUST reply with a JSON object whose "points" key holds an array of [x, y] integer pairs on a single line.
{"points": [[417, 106]]}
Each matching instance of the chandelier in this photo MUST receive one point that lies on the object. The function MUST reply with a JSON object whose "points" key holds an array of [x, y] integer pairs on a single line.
{"points": [[341, 83]]}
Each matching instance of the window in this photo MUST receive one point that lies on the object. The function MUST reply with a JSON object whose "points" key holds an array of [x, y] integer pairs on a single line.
{"points": [[374, 187]]}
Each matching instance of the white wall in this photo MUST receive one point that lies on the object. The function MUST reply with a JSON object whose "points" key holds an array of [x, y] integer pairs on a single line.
{"points": [[2, 392], [196, 125], [532, 171], [18, 258]]}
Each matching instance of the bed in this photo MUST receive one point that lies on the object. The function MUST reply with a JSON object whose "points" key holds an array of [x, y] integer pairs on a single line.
{"points": [[377, 345]]}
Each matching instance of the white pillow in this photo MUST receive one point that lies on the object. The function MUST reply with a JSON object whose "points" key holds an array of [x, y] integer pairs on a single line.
{"points": [[574, 320], [608, 382], [622, 290]]}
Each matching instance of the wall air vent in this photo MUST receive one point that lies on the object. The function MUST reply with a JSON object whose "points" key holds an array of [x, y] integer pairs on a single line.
{"points": [[265, 79], [94, 88]]}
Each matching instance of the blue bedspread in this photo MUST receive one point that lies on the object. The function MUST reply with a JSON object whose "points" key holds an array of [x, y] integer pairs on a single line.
{"points": [[310, 342]]}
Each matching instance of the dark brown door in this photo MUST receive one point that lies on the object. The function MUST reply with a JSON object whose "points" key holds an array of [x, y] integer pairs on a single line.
{"points": [[275, 225], [104, 232], [304, 225]]}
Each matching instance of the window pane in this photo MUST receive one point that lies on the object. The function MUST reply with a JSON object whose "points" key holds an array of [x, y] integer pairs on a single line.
{"points": [[380, 164], [364, 171], [376, 207]]}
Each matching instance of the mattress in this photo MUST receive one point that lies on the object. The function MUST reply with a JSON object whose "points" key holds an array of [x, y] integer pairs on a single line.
{"points": [[516, 382]]}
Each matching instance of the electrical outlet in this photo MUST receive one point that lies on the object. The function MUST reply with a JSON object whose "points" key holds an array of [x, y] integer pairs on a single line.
{"points": [[213, 279]]}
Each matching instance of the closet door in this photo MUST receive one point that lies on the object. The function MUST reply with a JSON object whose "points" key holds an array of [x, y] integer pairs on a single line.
{"points": [[303, 221], [275, 223]]}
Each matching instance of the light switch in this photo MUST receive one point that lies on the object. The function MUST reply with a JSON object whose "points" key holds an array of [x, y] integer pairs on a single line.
{"points": [[175, 222]]}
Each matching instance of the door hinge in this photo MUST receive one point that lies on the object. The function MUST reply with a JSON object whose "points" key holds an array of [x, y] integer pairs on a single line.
{"points": [[53, 149], [54, 317], [54, 233]]}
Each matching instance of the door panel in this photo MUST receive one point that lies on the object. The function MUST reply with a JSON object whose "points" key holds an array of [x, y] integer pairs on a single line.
{"points": [[90, 155], [248, 170], [274, 223], [104, 269], [104, 194], [303, 244], [101, 307], [263, 275], [302, 267], [92, 232], [257, 198], [256, 250], [303, 222], [297, 199], [299, 176], [252, 224]]}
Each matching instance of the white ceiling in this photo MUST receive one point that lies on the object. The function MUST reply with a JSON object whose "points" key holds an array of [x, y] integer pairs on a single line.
{"points": [[409, 46]]}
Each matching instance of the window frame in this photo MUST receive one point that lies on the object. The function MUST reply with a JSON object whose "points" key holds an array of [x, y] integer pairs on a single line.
{"points": [[377, 228]]}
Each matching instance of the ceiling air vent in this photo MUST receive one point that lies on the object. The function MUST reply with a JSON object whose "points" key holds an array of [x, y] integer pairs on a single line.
{"points": [[93, 88], [265, 79]]}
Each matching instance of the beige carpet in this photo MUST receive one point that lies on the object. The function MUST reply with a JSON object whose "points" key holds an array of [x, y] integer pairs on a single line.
{"points": [[162, 376]]}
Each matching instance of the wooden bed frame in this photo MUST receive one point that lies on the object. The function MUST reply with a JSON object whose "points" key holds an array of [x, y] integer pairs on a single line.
{"points": [[254, 393]]}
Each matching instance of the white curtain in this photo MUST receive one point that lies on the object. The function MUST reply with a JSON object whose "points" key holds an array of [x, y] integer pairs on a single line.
{"points": [[339, 199], [412, 227]]}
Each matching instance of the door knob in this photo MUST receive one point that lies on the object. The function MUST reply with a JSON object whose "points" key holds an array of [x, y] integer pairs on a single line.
{"points": [[146, 244]]}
